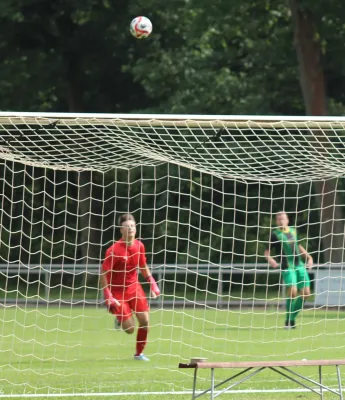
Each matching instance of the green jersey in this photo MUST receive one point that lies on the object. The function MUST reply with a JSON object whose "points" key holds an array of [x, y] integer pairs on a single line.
{"points": [[285, 244]]}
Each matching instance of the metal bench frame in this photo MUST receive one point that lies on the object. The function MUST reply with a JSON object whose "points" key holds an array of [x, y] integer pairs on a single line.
{"points": [[281, 367]]}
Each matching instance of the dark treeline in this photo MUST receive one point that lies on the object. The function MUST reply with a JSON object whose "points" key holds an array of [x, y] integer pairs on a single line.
{"points": [[204, 57], [223, 57], [183, 216]]}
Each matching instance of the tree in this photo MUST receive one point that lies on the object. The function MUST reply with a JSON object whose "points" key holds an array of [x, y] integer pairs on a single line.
{"points": [[206, 59], [204, 56], [68, 56], [308, 47]]}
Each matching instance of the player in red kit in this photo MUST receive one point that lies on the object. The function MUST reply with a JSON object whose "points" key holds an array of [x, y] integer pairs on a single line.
{"points": [[123, 293]]}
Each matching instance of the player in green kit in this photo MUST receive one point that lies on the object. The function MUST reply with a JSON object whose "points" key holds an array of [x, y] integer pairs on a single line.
{"points": [[291, 257]]}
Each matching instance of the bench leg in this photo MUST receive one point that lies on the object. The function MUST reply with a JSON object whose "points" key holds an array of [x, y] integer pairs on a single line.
{"points": [[212, 383], [194, 383], [339, 382], [320, 379]]}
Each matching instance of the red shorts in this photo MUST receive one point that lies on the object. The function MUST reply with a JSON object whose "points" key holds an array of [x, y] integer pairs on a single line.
{"points": [[132, 298]]}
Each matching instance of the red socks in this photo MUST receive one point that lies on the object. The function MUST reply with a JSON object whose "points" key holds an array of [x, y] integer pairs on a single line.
{"points": [[141, 340]]}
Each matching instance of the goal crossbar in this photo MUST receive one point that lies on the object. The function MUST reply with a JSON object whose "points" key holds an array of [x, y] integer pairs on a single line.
{"points": [[177, 120], [243, 147]]}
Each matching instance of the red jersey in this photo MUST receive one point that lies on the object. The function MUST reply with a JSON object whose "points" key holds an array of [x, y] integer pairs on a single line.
{"points": [[122, 262]]}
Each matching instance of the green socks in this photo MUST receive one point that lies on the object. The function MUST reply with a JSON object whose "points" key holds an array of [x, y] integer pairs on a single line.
{"points": [[289, 309], [293, 307], [297, 307]]}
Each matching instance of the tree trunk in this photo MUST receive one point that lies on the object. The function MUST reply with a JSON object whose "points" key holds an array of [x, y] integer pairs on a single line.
{"points": [[313, 88], [87, 238], [74, 76]]}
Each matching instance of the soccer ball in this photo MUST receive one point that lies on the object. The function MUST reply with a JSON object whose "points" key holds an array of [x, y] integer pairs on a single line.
{"points": [[141, 27]]}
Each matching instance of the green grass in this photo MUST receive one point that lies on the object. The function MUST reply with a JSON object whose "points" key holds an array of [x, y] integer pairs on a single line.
{"points": [[76, 350]]}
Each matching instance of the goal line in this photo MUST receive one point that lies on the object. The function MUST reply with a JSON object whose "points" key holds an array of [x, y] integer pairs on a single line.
{"points": [[163, 394]]}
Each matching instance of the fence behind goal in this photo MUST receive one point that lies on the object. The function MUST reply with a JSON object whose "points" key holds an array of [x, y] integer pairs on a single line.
{"points": [[41, 284], [204, 191]]}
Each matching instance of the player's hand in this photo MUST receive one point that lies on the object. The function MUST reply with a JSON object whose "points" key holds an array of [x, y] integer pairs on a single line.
{"points": [[154, 287], [110, 301], [113, 305], [274, 264]]}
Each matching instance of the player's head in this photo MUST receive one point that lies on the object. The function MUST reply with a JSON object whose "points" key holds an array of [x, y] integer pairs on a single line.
{"points": [[282, 219], [127, 226]]}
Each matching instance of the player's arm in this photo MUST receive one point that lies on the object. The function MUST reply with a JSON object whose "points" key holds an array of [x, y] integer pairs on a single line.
{"points": [[271, 260], [146, 273], [110, 300], [307, 257], [273, 263]]}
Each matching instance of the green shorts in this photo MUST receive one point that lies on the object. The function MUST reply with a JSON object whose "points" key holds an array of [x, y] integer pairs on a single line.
{"points": [[297, 276]]}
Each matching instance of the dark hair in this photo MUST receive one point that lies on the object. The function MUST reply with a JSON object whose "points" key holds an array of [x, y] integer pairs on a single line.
{"points": [[124, 218]]}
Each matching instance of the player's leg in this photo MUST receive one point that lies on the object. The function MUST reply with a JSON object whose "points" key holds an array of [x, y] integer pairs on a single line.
{"points": [[140, 306], [290, 282], [117, 324], [143, 329], [124, 317], [303, 287], [128, 325]]}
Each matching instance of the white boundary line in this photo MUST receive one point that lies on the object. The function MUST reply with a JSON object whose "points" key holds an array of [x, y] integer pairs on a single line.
{"points": [[13, 396]]}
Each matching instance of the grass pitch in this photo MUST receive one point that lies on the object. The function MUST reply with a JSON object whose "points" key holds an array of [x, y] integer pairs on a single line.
{"points": [[77, 353]]}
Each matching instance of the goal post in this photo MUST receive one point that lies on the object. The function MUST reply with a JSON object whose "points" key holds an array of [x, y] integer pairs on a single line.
{"points": [[204, 191]]}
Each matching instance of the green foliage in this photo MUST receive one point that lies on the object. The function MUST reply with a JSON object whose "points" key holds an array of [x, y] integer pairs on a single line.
{"points": [[183, 216], [65, 56], [224, 57], [223, 62], [205, 56]]}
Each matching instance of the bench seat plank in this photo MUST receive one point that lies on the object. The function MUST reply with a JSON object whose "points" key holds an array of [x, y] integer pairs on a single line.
{"points": [[266, 364]]}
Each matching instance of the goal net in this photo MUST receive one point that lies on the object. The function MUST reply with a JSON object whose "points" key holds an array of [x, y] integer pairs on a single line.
{"points": [[204, 191]]}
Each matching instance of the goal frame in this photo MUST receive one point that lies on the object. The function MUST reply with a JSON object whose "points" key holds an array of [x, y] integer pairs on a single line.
{"points": [[192, 120], [172, 122]]}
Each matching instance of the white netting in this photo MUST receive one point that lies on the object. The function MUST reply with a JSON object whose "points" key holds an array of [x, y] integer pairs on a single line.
{"points": [[205, 204], [229, 147]]}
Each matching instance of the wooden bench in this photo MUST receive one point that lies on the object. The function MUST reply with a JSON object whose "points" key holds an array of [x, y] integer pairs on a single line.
{"points": [[281, 367]]}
